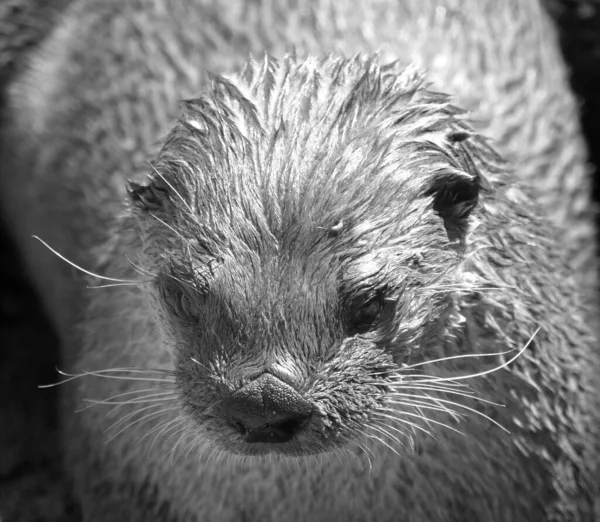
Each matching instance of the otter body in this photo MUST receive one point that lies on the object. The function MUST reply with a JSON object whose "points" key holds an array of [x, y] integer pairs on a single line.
{"points": [[313, 267]]}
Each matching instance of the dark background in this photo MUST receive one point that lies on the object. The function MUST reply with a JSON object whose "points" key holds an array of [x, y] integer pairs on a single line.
{"points": [[31, 484]]}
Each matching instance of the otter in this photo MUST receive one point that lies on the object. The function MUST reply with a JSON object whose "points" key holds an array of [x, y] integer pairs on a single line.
{"points": [[328, 293]]}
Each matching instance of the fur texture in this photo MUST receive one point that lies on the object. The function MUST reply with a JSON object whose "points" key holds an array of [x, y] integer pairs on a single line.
{"points": [[333, 221]]}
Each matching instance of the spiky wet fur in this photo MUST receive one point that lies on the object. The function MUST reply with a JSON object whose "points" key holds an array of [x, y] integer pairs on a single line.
{"points": [[283, 199]]}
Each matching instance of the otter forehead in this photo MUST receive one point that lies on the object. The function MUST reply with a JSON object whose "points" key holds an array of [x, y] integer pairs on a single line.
{"points": [[289, 154]]}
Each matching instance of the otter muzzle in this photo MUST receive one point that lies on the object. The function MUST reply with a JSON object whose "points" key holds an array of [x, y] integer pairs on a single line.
{"points": [[267, 410]]}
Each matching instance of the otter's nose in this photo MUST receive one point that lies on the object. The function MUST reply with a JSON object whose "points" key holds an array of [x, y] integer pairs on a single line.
{"points": [[267, 410]]}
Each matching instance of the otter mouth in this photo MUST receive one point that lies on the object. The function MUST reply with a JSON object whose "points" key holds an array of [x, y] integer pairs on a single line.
{"points": [[304, 442], [272, 433], [291, 448]]}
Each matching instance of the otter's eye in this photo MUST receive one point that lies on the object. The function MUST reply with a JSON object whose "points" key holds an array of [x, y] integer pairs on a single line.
{"points": [[365, 316], [185, 304], [178, 299]]}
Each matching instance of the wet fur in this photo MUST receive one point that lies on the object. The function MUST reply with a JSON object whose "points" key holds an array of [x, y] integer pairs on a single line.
{"points": [[283, 200]]}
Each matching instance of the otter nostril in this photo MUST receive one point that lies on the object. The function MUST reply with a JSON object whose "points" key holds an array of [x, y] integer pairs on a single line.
{"points": [[289, 426], [241, 428], [287, 429], [267, 410]]}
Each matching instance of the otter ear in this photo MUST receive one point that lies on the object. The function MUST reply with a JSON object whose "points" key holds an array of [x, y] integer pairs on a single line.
{"points": [[455, 195], [150, 196], [455, 190]]}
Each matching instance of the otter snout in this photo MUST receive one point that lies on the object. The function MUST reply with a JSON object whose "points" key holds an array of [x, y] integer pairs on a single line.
{"points": [[267, 410]]}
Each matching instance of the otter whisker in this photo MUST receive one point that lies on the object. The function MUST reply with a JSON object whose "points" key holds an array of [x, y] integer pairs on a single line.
{"points": [[436, 400], [158, 428], [424, 405], [372, 436], [395, 418], [404, 380], [116, 284], [144, 418], [427, 418], [200, 364], [146, 272], [98, 276], [473, 410], [193, 444], [364, 448], [119, 395], [392, 437], [469, 289], [384, 433], [341, 456], [185, 240], [452, 414], [179, 421], [320, 458], [132, 400], [158, 395], [182, 282], [336, 454], [486, 372], [401, 376], [420, 411], [187, 435], [140, 269], [422, 399], [130, 415], [171, 453], [469, 393], [328, 458], [100, 373], [164, 396], [451, 357], [441, 389], [153, 401], [131, 369], [141, 400], [162, 429]]}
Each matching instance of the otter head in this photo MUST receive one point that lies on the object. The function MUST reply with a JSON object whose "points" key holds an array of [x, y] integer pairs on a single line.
{"points": [[302, 221]]}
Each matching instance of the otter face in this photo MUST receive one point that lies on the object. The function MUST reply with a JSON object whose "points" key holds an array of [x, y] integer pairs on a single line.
{"points": [[305, 221]]}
